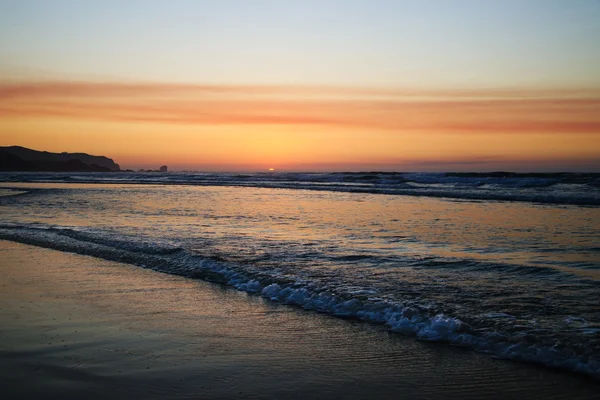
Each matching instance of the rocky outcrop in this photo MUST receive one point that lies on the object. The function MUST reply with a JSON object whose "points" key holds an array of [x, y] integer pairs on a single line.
{"points": [[17, 158]]}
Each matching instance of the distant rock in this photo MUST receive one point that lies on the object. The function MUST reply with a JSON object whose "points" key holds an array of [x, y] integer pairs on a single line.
{"points": [[17, 158], [164, 168]]}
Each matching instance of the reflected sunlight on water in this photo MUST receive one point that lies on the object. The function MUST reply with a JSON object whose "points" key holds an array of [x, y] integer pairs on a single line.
{"points": [[519, 280]]}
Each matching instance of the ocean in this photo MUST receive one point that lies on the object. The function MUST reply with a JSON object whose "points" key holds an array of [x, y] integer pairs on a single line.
{"points": [[502, 264]]}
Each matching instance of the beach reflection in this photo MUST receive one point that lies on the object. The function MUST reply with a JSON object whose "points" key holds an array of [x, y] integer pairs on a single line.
{"points": [[523, 233]]}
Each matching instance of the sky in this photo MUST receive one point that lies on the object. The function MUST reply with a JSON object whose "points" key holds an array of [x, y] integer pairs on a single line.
{"points": [[447, 85]]}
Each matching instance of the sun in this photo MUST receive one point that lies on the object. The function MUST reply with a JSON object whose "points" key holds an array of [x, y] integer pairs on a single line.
{"points": [[271, 169]]}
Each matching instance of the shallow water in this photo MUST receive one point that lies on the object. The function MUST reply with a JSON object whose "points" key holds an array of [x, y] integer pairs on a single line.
{"points": [[91, 328], [518, 280]]}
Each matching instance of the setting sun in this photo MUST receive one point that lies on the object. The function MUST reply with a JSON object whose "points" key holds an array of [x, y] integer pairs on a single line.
{"points": [[437, 179]]}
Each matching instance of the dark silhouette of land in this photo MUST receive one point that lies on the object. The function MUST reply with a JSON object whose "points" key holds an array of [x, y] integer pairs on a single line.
{"points": [[17, 158]]}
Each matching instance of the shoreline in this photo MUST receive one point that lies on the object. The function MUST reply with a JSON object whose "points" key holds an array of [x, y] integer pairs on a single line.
{"points": [[75, 326]]}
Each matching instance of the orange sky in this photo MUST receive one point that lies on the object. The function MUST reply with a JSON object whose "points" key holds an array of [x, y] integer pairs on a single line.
{"points": [[448, 85], [236, 127]]}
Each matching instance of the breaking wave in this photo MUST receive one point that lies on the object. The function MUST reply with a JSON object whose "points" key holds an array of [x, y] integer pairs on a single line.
{"points": [[550, 188], [412, 317]]}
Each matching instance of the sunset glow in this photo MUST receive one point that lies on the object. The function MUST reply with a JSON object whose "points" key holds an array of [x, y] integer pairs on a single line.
{"points": [[276, 199], [249, 122]]}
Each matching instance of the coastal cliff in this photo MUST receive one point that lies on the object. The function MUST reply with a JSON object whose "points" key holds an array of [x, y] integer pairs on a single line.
{"points": [[17, 158]]}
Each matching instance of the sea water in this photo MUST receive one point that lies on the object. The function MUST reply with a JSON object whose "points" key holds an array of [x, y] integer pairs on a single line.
{"points": [[505, 264]]}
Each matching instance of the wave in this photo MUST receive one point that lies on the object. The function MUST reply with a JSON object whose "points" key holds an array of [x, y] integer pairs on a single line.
{"points": [[548, 188], [410, 317]]}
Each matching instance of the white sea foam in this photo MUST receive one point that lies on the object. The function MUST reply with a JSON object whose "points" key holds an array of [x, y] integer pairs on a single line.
{"points": [[559, 188], [397, 317]]}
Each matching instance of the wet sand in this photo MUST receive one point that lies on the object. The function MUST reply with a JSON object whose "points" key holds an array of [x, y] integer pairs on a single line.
{"points": [[73, 326]]}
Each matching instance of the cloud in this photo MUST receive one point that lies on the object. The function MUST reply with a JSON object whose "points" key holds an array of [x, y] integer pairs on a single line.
{"points": [[470, 111], [94, 89]]}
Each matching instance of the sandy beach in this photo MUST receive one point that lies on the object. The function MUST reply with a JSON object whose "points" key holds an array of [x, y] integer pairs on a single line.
{"points": [[74, 326]]}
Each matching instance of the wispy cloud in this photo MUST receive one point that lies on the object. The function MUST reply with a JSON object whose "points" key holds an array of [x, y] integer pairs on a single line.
{"points": [[476, 111], [91, 89]]}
